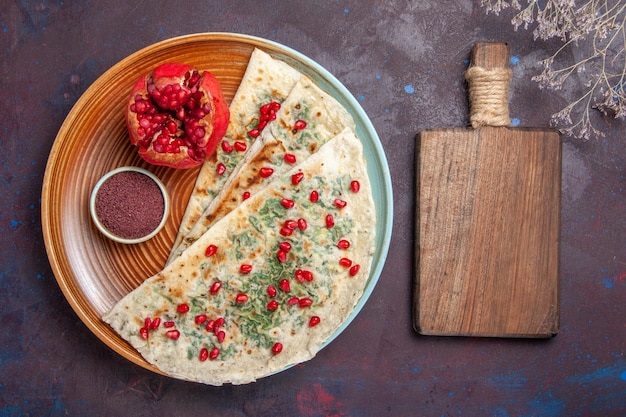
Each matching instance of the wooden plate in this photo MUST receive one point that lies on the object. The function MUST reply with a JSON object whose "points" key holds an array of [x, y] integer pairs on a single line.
{"points": [[94, 272]]}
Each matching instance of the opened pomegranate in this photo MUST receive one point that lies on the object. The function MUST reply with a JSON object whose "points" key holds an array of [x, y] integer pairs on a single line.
{"points": [[176, 115]]}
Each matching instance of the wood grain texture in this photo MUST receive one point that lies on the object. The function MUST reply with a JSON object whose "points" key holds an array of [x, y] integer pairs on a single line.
{"points": [[490, 55], [488, 233], [487, 237]]}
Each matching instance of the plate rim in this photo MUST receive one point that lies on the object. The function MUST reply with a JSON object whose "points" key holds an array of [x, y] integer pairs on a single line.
{"points": [[61, 275]]}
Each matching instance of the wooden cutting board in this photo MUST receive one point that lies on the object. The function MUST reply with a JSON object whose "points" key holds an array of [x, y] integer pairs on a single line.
{"points": [[488, 220]]}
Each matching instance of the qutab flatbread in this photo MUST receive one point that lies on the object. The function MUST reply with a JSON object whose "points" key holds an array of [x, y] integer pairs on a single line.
{"points": [[265, 80], [307, 119], [266, 285]]}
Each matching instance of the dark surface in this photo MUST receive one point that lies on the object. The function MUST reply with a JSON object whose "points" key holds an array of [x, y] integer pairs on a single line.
{"points": [[404, 61]]}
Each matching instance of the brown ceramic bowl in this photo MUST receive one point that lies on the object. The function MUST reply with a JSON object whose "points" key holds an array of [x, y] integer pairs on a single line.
{"points": [[95, 216]]}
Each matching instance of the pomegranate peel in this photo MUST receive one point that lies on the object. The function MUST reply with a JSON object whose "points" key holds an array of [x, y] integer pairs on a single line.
{"points": [[176, 115]]}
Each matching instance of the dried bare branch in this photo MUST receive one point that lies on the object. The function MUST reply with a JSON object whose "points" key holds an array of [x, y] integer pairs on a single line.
{"points": [[595, 27]]}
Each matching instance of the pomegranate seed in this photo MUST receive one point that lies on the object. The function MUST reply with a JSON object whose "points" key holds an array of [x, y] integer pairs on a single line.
{"points": [[299, 275], [221, 335], [277, 348], [343, 244], [262, 123], [266, 172], [286, 203], [265, 109], [305, 302], [163, 140], [254, 133], [200, 318], [171, 127], [299, 125], [293, 301], [302, 275], [286, 231], [285, 246], [297, 178], [271, 291], [345, 262], [221, 169], [215, 287], [340, 203], [284, 285], [219, 322], [215, 352], [241, 298], [290, 158], [173, 334], [204, 354], [210, 326], [193, 78], [314, 321], [302, 224], [274, 105], [169, 324], [246, 195], [272, 305], [210, 250], [245, 268], [330, 221], [147, 322], [308, 275], [281, 255], [314, 196], [143, 332], [227, 147], [291, 224], [240, 146], [182, 308], [355, 186], [354, 270], [155, 323]]}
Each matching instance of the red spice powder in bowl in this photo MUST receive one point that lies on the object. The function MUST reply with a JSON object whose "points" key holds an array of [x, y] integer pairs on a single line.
{"points": [[129, 205]]}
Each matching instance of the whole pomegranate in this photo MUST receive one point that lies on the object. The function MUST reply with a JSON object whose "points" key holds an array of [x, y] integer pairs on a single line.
{"points": [[176, 115]]}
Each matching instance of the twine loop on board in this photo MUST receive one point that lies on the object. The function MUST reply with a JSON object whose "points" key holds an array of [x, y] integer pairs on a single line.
{"points": [[489, 96]]}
